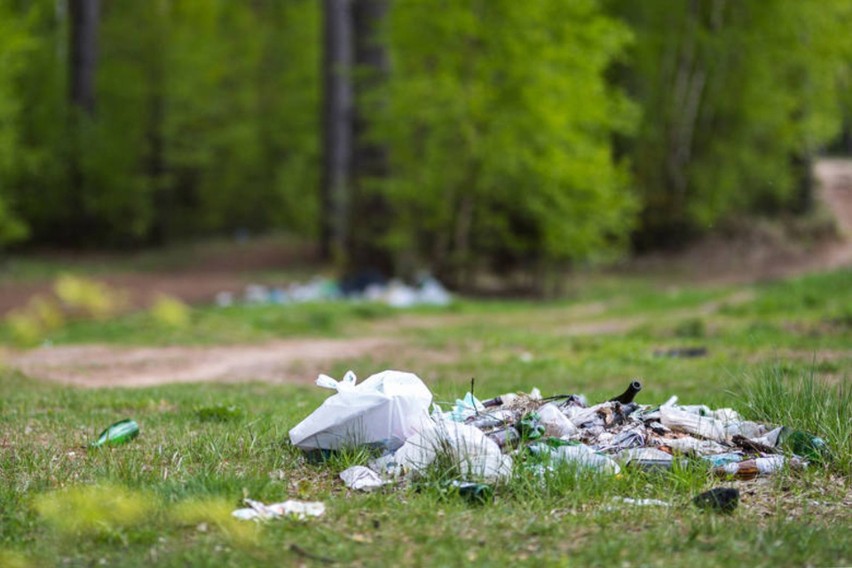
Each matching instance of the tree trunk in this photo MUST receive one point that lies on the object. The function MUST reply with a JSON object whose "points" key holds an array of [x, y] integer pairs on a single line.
{"points": [[82, 69], [337, 126], [370, 211], [85, 15]]}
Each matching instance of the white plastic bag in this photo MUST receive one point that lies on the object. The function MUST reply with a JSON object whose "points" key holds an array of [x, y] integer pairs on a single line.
{"points": [[384, 410]]}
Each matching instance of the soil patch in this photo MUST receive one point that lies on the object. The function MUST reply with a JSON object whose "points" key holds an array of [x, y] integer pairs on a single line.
{"points": [[285, 361]]}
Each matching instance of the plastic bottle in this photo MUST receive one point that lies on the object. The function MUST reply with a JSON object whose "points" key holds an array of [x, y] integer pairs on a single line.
{"points": [[508, 436], [503, 399], [119, 433], [749, 469]]}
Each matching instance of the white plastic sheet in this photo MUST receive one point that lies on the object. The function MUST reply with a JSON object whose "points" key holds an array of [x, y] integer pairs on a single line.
{"points": [[476, 456], [384, 410], [581, 455], [257, 511], [361, 478], [693, 423]]}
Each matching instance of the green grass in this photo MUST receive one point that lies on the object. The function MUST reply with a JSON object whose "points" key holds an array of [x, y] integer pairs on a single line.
{"points": [[165, 498], [800, 401]]}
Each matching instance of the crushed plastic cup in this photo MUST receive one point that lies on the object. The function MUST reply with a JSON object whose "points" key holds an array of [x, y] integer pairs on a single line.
{"points": [[555, 423]]}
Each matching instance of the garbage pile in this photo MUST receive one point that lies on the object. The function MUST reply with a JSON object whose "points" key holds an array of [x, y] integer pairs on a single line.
{"points": [[428, 291], [485, 440]]}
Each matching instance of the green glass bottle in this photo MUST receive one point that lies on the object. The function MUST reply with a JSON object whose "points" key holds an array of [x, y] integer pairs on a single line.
{"points": [[477, 493], [119, 433], [804, 445]]}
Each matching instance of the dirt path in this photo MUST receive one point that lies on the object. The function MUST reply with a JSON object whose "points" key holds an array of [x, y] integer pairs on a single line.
{"points": [[764, 252], [110, 366], [299, 360]]}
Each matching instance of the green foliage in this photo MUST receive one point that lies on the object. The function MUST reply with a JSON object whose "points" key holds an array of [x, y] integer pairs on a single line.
{"points": [[15, 41], [206, 121], [167, 497], [498, 119], [737, 97]]}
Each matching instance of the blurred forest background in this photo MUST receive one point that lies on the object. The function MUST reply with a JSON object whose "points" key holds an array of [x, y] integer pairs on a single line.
{"points": [[454, 135]]}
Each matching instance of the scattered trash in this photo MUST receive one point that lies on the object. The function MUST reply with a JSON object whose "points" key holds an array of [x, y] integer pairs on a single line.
{"points": [[474, 455], [803, 444], [555, 423], [680, 419], [530, 426], [361, 478], [682, 352], [720, 499], [368, 287], [721, 460], [644, 502], [465, 408], [383, 411], [751, 468], [257, 511], [477, 493], [119, 433], [628, 395], [648, 459], [481, 442], [580, 455]]}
